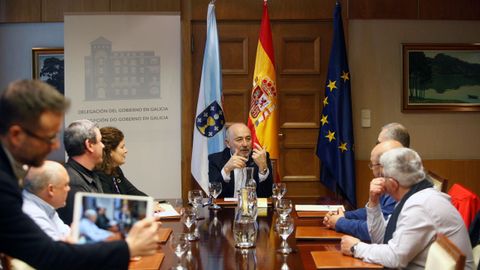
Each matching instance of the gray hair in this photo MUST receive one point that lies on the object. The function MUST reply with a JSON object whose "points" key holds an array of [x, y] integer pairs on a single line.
{"points": [[76, 134], [90, 213], [23, 102], [397, 132], [228, 130], [38, 179], [404, 165]]}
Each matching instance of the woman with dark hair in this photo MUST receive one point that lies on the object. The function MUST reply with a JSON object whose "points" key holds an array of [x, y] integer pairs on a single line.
{"points": [[114, 154]]}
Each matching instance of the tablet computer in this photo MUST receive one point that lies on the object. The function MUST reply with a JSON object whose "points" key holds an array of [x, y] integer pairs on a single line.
{"points": [[104, 217]]}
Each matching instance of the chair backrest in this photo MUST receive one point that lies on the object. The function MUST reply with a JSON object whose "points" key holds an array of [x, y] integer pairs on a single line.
{"points": [[439, 183], [443, 254], [476, 256], [466, 202]]}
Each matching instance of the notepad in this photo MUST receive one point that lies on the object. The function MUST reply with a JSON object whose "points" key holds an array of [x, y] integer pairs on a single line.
{"points": [[168, 211], [261, 202], [320, 208]]}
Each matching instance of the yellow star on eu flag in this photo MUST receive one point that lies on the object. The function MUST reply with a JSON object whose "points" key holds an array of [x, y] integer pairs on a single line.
{"points": [[345, 76], [324, 119], [331, 85], [343, 147], [330, 136], [325, 101]]}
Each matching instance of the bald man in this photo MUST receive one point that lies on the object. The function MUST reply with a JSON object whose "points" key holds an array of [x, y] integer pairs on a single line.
{"points": [[45, 190], [355, 222], [227, 166]]}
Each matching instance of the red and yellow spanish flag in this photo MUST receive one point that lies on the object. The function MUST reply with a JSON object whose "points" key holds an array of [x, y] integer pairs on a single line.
{"points": [[263, 116]]}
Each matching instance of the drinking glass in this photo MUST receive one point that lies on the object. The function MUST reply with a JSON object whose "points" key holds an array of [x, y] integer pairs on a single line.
{"points": [[244, 232], [284, 229], [188, 218], [278, 191], [195, 197], [215, 188], [284, 208], [179, 244]]}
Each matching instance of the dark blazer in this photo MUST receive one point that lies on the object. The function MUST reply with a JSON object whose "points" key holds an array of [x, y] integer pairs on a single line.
{"points": [[21, 238], [81, 180], [216, 161], [124, 186]]}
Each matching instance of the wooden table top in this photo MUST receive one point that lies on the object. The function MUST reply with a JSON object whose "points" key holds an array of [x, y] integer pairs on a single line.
{"points": [[216, 249]]}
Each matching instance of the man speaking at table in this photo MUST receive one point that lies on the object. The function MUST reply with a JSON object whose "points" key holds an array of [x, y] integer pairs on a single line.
{"points": [[227, 167]]}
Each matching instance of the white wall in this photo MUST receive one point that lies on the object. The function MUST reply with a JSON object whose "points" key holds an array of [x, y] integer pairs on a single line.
{"points": [[375, 59], [16, 43]]}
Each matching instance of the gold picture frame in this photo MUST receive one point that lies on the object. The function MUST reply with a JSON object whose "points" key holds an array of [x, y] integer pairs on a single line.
{"points": [[441, 77]]}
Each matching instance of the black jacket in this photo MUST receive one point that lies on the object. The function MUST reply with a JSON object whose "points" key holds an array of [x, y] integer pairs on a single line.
{"points": [[216, 162], [21, 238], [124, 186]]}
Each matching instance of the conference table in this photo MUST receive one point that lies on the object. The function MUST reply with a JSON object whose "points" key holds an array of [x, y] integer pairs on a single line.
{"points": [[216, 249]]}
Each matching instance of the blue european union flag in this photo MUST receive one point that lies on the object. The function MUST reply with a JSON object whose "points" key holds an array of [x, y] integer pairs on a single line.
{"points": [[335, 138]]}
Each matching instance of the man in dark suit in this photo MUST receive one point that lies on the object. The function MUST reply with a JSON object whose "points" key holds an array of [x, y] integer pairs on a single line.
{"points": [[84, 147], [31, 117], [227, 166]]}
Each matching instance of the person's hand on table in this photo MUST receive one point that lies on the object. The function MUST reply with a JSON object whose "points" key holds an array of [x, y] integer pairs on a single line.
{"points": [[331, 218], [347, 243]]}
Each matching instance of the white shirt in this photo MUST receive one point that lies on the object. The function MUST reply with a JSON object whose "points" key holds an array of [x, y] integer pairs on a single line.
{"points": [[45, 216], [240, 174], [424, 214]]}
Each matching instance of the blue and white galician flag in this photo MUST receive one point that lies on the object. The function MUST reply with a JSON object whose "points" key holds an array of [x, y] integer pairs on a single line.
{"points": [[208, 132]]}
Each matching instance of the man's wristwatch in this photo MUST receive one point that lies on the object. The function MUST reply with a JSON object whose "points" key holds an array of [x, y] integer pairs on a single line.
{"points": [[352, 249]]}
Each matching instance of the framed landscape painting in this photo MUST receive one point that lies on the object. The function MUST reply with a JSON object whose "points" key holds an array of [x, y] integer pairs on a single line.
{"points": [[48, 66], [441, 77]]}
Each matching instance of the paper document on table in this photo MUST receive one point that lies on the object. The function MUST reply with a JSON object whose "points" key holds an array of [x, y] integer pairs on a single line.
{"points": [[230, 199], [262, 202], [320, 208], [167, 211]]}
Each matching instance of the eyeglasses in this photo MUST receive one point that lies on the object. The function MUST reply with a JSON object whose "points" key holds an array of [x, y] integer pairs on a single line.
{"points": [[371, 165], [48, 140]]}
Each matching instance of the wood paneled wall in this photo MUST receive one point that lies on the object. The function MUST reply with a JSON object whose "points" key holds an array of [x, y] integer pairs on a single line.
{"points": [[414, 9], [52, 10], [193, 13]]}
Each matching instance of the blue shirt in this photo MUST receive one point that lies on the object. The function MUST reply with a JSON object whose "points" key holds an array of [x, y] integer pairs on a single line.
{"points": [[45, 216], [92, 232], [355, 222]]}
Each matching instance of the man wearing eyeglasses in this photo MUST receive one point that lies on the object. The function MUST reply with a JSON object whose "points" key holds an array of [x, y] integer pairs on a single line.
{"points": [[403, 241], [355, 222], [31, 114]]}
